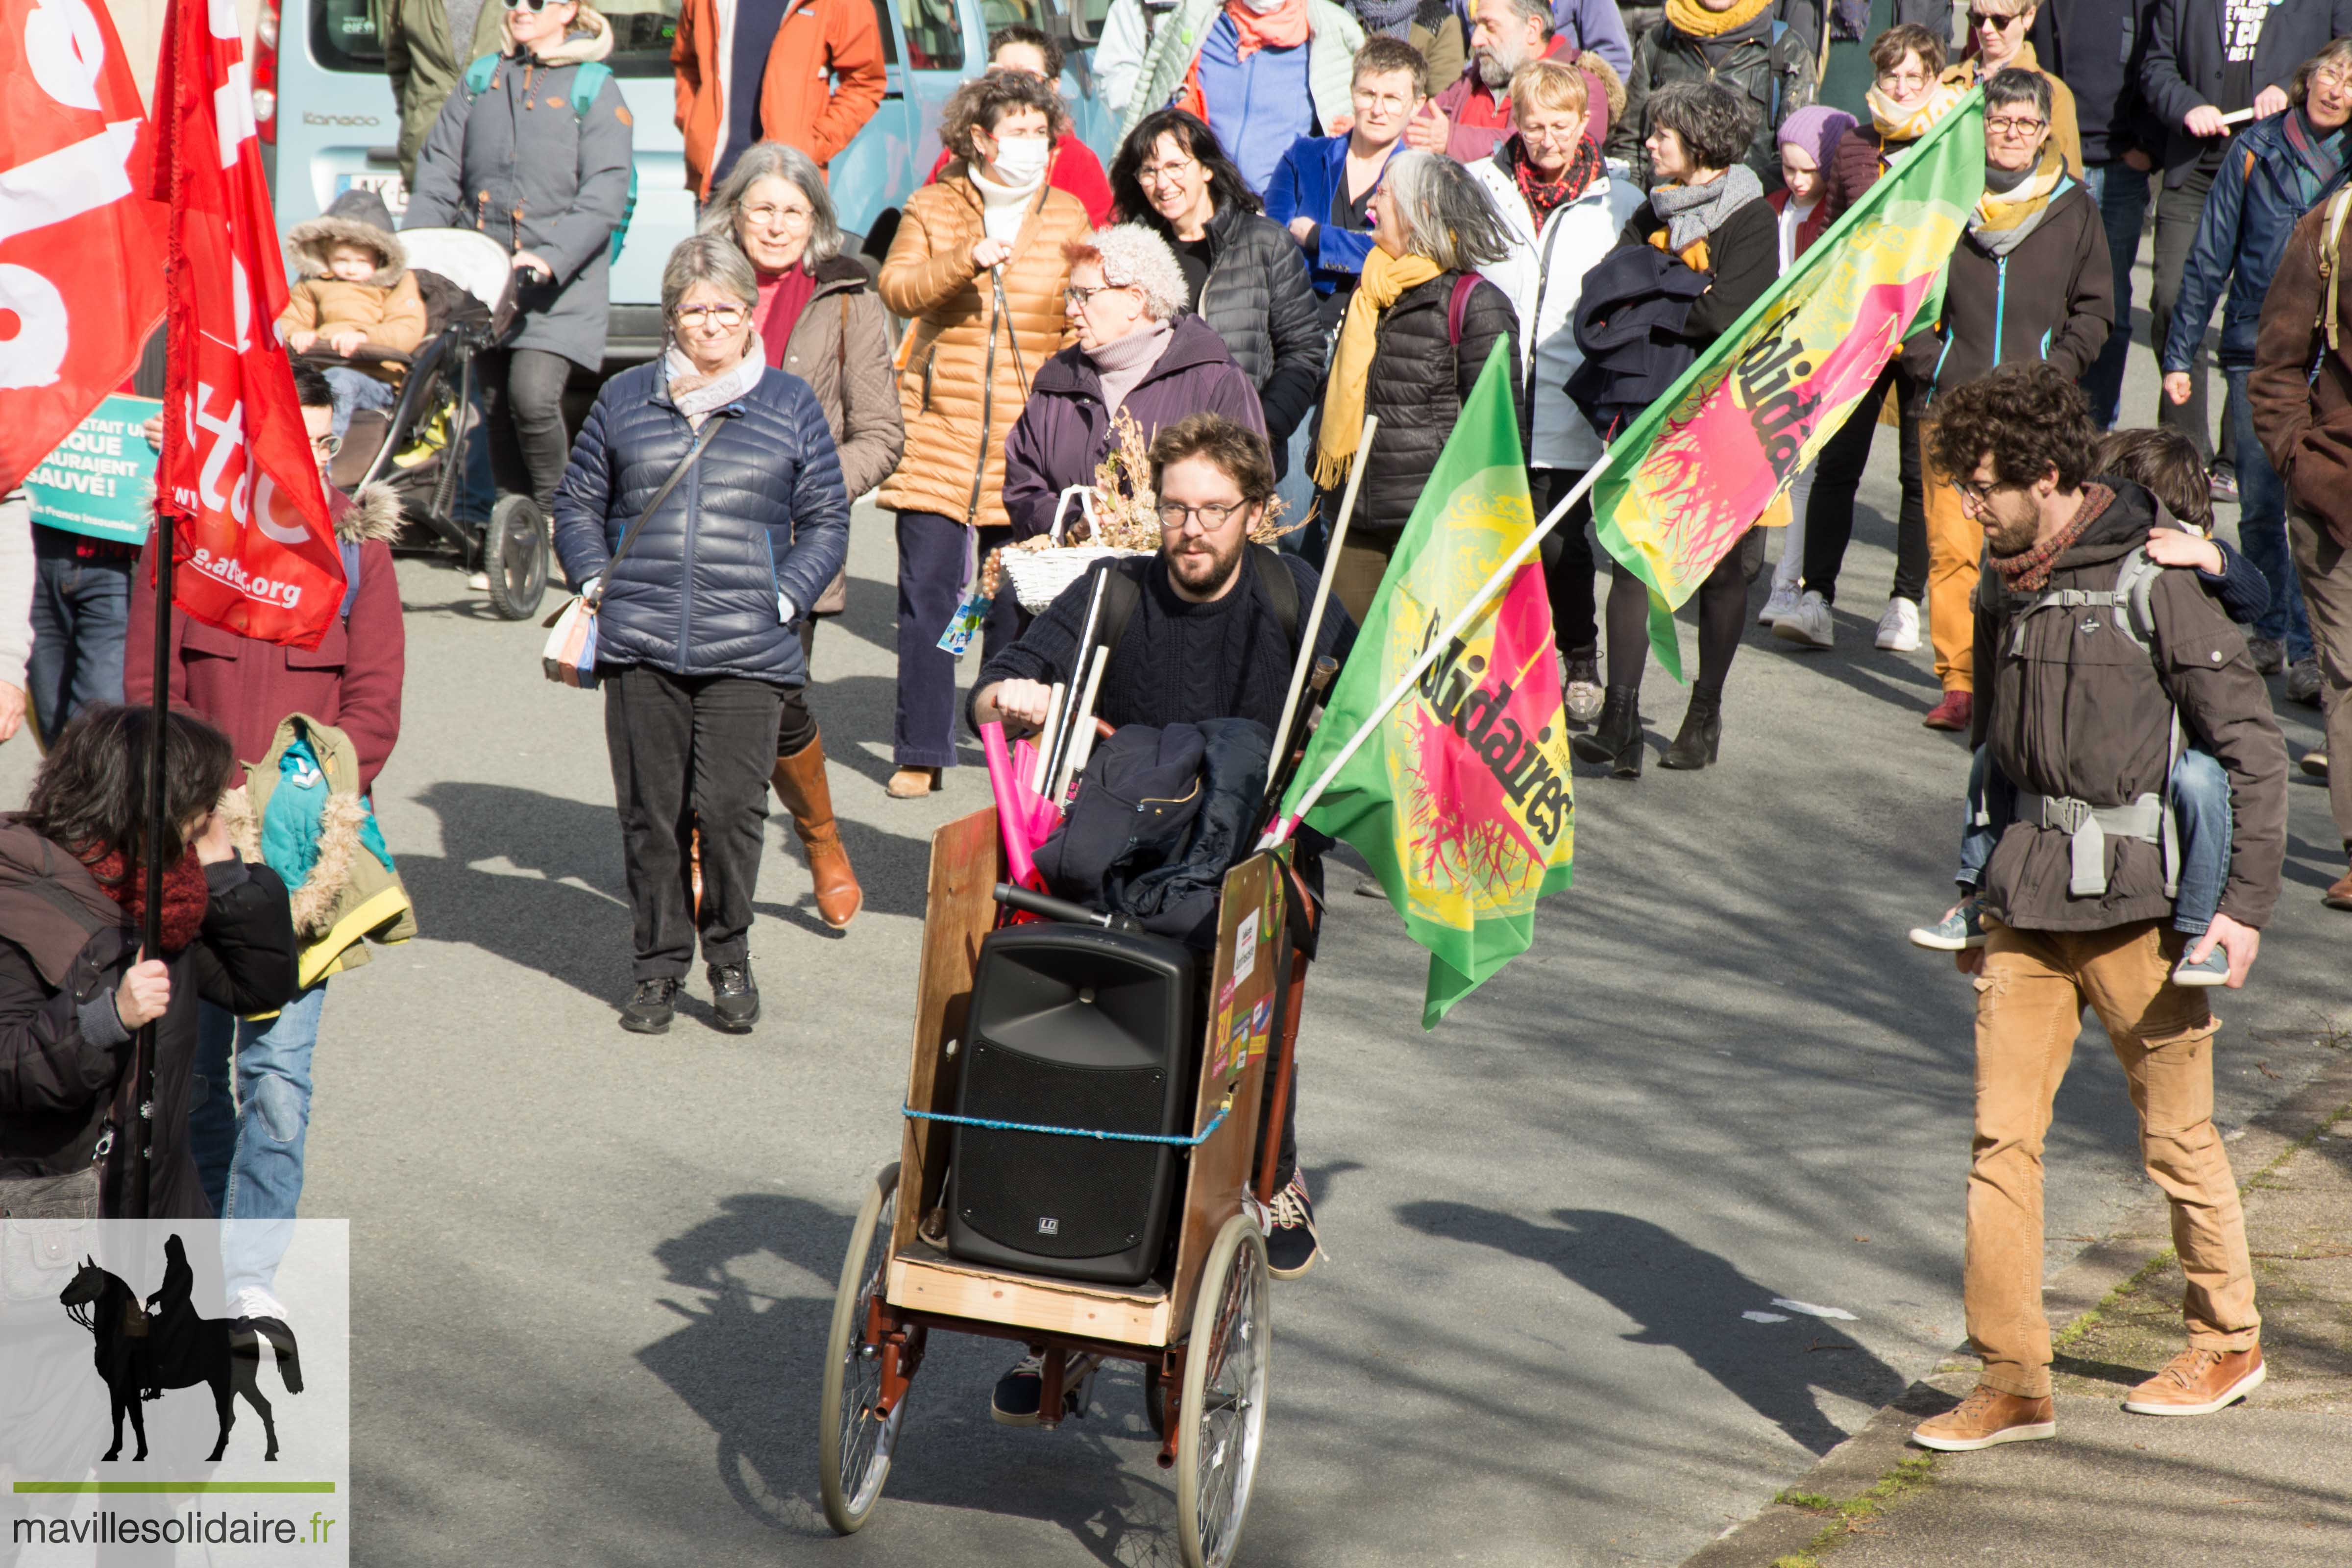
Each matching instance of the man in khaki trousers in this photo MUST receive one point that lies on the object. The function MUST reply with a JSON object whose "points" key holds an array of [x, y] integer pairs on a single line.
{"points": [[2078, 689]]}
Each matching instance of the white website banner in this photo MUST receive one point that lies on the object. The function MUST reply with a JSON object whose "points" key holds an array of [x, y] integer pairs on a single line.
{"points": [[142, 1420]]}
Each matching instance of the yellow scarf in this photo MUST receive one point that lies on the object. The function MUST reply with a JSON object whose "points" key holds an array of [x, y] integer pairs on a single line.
{"points": [[1385, 280], [1895, 123], [1690, 16]]}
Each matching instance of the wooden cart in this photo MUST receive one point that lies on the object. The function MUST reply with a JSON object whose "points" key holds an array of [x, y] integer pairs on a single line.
{"points": [[1200, 1333]]}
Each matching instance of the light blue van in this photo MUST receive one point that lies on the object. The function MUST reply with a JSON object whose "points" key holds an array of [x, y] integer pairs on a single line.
{"points": [[336, 122]]}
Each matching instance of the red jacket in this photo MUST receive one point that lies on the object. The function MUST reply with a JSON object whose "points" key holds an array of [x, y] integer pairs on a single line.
{"points": [[351, 680], [826, 79], [1814, 225], [1074, 168]]}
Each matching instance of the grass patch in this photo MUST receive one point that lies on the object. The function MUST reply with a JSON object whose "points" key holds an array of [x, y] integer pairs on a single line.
{"points": [[1848, 1515]]}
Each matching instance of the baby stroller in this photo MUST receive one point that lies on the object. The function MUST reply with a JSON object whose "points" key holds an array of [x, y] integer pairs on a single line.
{"points": [[419, 447]]}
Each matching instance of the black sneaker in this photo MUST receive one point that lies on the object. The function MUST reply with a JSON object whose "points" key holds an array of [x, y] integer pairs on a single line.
{"points": [[1021, 1390], [1291, 1244], [733, 997], [651, 1007]]}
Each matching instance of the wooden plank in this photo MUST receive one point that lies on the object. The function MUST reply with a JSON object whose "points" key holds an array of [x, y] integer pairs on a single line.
{"points": [[960, 908], [1233, 1061], [922, 1279]]}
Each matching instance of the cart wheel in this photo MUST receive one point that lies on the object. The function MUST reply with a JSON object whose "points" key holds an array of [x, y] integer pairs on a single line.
{"points": [[514, 554], [1221, 1420], [854, 1453]]}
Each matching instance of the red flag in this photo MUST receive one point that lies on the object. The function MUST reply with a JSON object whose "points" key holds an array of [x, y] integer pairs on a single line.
{"points": [[256, 553], [81, 248]]}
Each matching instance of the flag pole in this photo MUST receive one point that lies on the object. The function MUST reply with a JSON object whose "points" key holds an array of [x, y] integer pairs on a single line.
{"points": [[158, 826], [1312, 632], [1288, 824]]}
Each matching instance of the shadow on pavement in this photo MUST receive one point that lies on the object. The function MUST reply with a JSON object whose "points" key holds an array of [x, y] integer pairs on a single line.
{"points": [[1688, 1299]]}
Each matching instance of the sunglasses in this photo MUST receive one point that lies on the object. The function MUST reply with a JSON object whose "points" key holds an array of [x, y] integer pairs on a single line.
{"points": [[533, 6]]}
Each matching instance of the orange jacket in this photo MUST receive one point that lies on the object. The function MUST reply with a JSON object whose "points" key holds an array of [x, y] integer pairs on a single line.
{"points": [[824, 81]]}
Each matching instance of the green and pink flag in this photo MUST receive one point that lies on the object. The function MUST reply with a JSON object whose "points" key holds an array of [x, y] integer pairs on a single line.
{"points": [[1694, 473], [1458, 798]]}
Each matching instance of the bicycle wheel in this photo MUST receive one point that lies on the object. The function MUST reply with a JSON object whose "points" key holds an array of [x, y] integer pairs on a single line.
{"points": [[855, 1447], [1221, 1421]]}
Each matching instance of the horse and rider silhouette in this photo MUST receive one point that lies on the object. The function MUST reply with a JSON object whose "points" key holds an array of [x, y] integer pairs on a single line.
{"points": [[143, 1355]]}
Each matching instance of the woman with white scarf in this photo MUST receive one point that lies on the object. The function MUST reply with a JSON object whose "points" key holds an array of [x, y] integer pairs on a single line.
{"points": [[702, 512], [1708, 210]]}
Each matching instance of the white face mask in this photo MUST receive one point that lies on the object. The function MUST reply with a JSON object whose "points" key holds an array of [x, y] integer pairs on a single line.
{"points": [[1021, 159], [1262, 6]]}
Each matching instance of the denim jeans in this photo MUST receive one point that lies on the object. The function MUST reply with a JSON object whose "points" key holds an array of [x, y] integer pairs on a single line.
{"points": [[931, 557], [2121, 192], [2261, 528], [248, 1147], [81, 612], [356, 390], [2199, 789]]}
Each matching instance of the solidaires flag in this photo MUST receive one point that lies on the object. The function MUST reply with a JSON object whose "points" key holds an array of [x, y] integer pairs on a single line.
{"points": [[1460, 800], [1693, 474]]}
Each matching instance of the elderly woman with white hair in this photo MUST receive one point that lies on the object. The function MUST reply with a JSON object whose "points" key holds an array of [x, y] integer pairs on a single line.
{"points": [[702, 509], [1139, 352], [1418, 331], [819, 317]]}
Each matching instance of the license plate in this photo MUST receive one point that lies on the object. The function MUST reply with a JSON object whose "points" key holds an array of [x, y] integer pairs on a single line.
{"points": [[390, 187]]}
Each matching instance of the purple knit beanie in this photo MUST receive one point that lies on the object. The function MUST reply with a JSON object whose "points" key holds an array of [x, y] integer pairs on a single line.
{"points": [[1817, 129]]}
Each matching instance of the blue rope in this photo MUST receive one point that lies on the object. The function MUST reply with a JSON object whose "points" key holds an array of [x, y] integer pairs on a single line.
{"points": [[1193, 1141]]}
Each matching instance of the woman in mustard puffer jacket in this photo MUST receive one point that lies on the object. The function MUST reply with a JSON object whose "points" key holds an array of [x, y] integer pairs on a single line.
{"points": [[977, 266]]}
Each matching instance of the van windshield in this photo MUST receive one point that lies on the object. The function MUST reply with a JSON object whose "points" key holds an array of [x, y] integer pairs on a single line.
{"points": [[345, 35]]}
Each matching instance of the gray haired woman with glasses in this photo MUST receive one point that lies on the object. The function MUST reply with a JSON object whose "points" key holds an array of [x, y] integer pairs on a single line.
{"points": [[703, 509], [819, 317]]}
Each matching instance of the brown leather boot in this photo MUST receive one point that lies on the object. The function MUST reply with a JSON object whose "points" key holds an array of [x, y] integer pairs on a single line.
{"points": [[800, 785], [1986, 1417]]}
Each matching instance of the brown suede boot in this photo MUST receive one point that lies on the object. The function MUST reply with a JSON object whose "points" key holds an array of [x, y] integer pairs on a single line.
{"points": [[1986, 1417], [800, 785]]}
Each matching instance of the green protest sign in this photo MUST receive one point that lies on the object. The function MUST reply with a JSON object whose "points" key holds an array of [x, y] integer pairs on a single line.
{"points": [[100, 480]]}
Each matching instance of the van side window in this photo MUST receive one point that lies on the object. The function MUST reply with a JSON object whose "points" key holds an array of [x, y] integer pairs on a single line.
{"points": [[642, 31], [934, 34], [890, 32]]}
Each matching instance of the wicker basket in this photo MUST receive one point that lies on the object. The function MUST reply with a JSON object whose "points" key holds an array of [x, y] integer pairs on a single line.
{"points": [[1039, 577]]}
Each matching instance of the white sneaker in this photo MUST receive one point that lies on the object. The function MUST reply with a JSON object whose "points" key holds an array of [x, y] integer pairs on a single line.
{"points": [[1783, 602], [1899, 628], [480, 581], [253, 1301], [1808, 624]]}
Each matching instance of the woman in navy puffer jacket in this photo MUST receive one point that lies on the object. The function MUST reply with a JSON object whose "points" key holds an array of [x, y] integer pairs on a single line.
{"points": [[695, 638]]}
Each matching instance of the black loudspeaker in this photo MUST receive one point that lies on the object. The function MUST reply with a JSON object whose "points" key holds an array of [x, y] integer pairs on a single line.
{"points": [[1073, 1027]]}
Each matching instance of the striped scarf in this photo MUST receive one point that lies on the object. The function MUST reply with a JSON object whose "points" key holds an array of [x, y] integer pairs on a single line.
{"points": [[2004, 217], [2028, 572]]}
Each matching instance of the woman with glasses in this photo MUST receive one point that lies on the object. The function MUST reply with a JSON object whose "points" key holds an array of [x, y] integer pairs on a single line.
{"points": [[1907, 98], [1561, 213], [1140, 356], [703, 511], [1706, 210], [513, 161], [819, 317], [2030, 279], [1243, 272], [978, 268], [1417, 334], [1997, 42], [2274, 171]]}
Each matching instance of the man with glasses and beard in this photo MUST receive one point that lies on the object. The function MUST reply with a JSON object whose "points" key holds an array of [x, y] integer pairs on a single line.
{"points": [[1211, 636], [1470, 118], [2088, 686]]}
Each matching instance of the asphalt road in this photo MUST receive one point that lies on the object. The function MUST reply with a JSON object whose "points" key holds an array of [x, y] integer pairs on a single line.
{"points": [[593, 1271]]}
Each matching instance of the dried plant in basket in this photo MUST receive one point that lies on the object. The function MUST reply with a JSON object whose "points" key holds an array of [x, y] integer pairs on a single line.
{"points": [[1124, 514]]}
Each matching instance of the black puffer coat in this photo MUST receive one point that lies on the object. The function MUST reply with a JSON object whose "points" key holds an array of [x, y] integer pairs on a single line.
{"points": [[761, 513], [1418, 384], [1261, 301], [64, 1058]]}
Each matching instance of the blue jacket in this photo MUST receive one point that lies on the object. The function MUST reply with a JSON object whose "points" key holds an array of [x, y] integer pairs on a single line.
{"points": [[761, 513], [2240, 239], [1304, 183]]}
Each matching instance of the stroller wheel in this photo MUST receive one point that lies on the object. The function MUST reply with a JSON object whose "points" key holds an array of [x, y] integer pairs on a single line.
{"points": [[514, 555]]}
